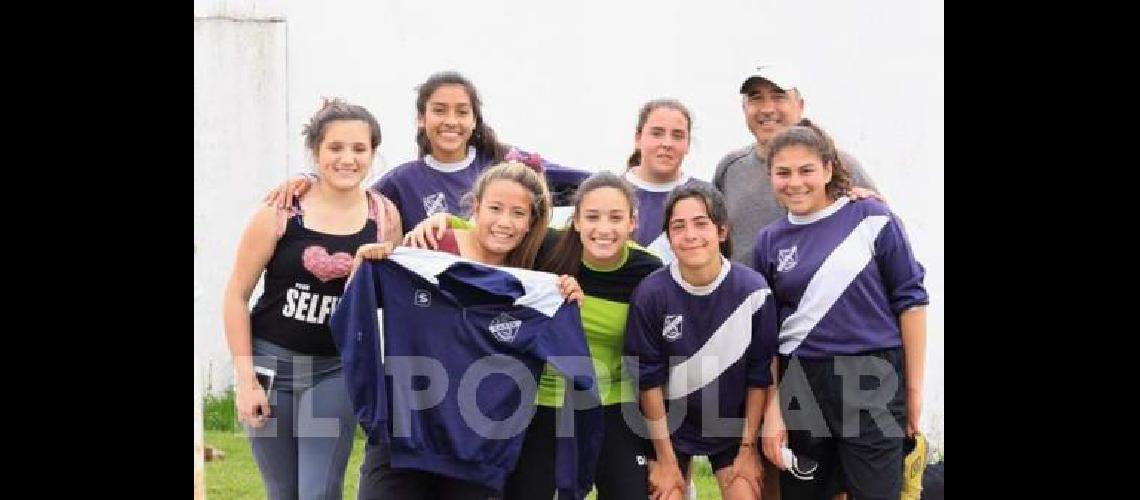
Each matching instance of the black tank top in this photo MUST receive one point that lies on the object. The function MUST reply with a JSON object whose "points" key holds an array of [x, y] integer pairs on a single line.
{"points": [[304, 280]]}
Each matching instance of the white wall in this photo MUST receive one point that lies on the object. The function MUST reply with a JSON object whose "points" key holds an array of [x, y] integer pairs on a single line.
{"points": [[239, 149], [567, 80]]}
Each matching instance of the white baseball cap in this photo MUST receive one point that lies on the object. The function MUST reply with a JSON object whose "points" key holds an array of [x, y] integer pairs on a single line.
{"points": [[784, 77]]}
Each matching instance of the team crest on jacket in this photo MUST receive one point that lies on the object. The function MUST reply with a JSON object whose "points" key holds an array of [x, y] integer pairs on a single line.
{"points": [[504, 327], [672, 330], [435, 203], [786, 260]]}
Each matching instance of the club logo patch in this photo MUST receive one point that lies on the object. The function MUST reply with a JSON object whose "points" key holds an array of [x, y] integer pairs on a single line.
{"points": [[435, 203], [504, 327], [786, 260], [672, 330]]}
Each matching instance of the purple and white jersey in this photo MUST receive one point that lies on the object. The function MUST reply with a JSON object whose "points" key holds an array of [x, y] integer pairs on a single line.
{"points": [[426, 186], [841, 277], [651, 212], [706, 345]]}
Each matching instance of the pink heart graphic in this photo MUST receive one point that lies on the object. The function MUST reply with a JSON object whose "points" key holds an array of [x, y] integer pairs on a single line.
{"points": [[324, 266]]}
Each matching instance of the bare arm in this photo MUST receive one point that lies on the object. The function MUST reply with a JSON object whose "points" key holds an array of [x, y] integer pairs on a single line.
{"points": [[774, 433], [666, 475], [393, 229], [282, 196], [913, 325], [427, 233], [254, 251], [754, 406], [747, 462]]}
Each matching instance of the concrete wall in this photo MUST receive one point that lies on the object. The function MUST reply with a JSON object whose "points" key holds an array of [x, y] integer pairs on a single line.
{"points": [[240, 105]]}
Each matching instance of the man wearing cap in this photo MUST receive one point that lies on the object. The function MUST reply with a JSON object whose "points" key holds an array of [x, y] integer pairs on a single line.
{"points": [[772, 101]]}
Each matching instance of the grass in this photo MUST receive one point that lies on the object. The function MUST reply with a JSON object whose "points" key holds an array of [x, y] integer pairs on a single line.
{"points": [[219, 413], [236, 476], [704, 480]]}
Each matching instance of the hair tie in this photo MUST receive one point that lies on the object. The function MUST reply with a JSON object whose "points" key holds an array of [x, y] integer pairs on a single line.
{"points": [[532, 160]]}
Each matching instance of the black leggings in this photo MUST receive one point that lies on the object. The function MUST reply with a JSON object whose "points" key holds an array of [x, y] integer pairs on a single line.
{"points": [[622, 471]]}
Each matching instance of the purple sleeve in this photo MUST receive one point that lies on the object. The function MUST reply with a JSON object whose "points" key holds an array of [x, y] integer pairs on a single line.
{"points": [[643, 341], [763, 346], [902, 274], [386, 186], [357, 336], [759, 256], [561, 174], [563, 182], [576, 452]]}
